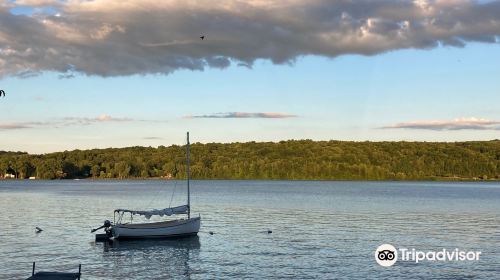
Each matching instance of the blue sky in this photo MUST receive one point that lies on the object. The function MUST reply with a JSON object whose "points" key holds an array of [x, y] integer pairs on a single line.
{"points": [[440, 93]]}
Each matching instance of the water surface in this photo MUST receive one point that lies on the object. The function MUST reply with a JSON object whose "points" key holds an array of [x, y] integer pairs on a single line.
{"points": [[321, 230]]}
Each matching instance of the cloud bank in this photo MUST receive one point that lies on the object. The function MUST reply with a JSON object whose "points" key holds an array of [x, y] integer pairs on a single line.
{"points": [[68, 121], [245, 115], [99, 119], [119, 38], [456, 124], [8, 126]]}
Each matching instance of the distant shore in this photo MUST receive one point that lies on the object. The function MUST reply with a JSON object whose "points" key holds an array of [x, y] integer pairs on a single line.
{"points": [[284, 160], [435, 179]]}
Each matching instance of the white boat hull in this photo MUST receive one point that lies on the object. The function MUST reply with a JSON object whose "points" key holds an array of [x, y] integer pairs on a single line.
{"points": [[176, 228]]}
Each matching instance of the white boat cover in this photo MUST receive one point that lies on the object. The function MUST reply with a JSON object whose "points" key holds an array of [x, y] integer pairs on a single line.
{"points": [[183, 209]]}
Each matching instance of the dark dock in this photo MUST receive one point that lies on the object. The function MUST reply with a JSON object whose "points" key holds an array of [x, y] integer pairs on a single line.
{"points": [[44, 275]]}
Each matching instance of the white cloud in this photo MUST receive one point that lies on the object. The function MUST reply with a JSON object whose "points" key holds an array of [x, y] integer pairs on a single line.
{"points": [[99, 119], [456, 124], [68, 121], [244, 115], [9, 126], [21, 125]]}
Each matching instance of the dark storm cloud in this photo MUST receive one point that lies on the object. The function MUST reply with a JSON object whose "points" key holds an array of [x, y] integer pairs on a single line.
{"points": [[117, 38]]}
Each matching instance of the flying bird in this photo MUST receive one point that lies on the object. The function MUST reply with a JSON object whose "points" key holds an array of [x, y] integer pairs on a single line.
{"points": [[38, 230], [202, 37], [2, 92]]}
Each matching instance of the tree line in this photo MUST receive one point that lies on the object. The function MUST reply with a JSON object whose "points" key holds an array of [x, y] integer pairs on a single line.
{"points": [[292, 159]]}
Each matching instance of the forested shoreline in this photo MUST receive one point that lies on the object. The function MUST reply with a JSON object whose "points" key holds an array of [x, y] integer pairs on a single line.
{"points": [[290, 160]]}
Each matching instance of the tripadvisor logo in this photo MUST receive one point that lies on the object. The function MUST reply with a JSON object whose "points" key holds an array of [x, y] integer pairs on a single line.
{"points": [[387, 255]]}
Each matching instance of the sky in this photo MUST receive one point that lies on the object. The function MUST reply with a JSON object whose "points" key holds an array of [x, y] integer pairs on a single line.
{"points": [[98, 74]]}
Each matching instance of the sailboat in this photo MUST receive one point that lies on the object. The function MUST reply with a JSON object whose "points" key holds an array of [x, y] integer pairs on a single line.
{"points": [[166, 229]]}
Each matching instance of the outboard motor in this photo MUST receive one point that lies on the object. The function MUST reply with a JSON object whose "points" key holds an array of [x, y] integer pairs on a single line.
{"points": [[107, 228], [107, 224]]}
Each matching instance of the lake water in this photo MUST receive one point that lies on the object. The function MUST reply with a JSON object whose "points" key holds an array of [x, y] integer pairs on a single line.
{"points": [[320, 230]]}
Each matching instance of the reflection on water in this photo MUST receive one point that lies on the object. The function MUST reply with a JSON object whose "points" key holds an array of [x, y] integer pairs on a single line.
{"points": [[185, 243], [320, 230], [167, 258]]}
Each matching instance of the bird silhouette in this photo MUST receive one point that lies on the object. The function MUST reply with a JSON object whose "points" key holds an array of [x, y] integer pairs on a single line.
{"points": [[38, 230], [202, 37], [2, 92]]}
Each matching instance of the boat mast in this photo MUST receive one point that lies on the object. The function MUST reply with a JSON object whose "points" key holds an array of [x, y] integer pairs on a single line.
{"points": [[188, 175]]}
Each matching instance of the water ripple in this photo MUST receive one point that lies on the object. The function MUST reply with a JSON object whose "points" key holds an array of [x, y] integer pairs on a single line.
{"points": [[321, 230]]}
